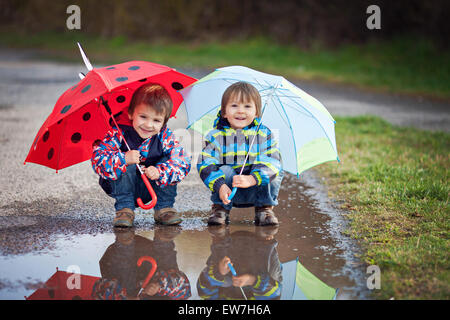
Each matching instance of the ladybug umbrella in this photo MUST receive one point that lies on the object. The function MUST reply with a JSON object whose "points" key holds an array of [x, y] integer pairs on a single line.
{"points": [[82, 114]]}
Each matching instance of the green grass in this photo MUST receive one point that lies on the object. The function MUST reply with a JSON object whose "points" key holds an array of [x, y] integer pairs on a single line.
{"points": [[402, 65], [394, 183]]}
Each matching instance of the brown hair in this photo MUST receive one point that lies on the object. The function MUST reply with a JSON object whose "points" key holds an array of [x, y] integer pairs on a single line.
{"points": [[244, 92], [154, 96]]}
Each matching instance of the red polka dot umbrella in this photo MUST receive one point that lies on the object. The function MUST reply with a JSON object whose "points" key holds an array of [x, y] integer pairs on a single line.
{"points": [[79, 116]]}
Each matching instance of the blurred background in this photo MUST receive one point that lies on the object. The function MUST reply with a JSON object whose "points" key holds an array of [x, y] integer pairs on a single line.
{"points": [[300, 38], [300, 22]]}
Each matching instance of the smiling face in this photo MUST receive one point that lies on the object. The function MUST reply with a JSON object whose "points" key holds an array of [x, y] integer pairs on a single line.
{"points": [[146, 120], [241, 104], [239, 113]]}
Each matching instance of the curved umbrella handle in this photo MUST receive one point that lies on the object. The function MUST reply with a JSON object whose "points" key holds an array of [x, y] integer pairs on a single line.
{"points": [[152, 194], [233, 192], [152, 270]]}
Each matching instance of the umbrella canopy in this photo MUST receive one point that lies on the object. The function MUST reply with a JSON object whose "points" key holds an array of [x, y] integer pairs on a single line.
{"points": [[300, 284], [79, 118], [56, 288], [303, 124]]}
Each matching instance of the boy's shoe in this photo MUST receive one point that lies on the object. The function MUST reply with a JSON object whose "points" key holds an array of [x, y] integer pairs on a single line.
{"points": [[166, 233], [219, 215], [264, 216], [267, 233], [124, 218], [124, 236], [218, 231], [167, 216]]}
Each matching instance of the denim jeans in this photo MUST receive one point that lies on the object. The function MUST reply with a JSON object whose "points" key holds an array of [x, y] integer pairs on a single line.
{"points": [[130, 186], [256, 196]]}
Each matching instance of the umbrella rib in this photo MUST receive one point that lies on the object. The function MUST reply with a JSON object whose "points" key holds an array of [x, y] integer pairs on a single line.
{"points": [[312, 117], [297, 97], [292, 131], [216, 106]]}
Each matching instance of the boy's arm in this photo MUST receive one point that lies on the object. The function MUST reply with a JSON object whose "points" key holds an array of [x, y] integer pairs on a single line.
{"points": [[268, 161], [266, 288], [107, 160], [208, 165], [209, 282], [177, 166]]}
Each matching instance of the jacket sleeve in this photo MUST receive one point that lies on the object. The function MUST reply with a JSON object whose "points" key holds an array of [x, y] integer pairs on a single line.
{"points": [[107, 160], [177, 166], [268, 161], [209, 282], [208, 164], [266, 288]]}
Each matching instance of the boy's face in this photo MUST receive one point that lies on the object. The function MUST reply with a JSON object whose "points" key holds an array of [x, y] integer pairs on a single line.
{"points": [[239, 114], [146, 121]]}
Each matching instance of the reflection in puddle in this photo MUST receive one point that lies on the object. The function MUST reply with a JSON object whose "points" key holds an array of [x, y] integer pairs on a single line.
{"points": [[253, 255], [190, 265], [187, 256]]}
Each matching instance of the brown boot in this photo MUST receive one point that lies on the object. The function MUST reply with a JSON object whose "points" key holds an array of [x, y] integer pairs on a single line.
{"points": [[219, 215], [124, 218], [167, 216], [264, 216]]}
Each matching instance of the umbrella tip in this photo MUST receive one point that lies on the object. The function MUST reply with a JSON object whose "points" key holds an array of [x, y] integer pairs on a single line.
{"points": [[85, 59]]}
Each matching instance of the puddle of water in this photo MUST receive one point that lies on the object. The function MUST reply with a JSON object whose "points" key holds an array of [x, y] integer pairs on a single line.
{"points": [[187, 256]]}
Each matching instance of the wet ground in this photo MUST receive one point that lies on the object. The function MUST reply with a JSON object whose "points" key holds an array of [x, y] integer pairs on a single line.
{"points": [[64, 221], [34, 246]]}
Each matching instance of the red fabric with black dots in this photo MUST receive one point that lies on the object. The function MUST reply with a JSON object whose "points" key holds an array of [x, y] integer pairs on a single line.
{"points": [[78, 118]]}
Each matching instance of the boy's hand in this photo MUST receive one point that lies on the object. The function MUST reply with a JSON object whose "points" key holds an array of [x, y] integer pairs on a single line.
{"points": [[132, 157], [244, 181], [151, 289], [223, 265], [152, 173], [224, 193], [244, 280]]}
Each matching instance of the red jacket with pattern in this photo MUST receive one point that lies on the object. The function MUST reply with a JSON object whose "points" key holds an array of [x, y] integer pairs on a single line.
{"points": [[108, 160]]}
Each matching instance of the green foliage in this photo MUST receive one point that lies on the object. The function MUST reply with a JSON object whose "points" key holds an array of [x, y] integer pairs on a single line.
{"points": [[403, 65]]}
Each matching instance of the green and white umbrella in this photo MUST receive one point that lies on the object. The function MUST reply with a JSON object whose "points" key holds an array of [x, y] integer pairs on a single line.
{"points": [[305, 128], [300, 284]]}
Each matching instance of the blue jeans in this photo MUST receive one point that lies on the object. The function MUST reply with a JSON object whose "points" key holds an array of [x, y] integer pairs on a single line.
{"points": [[130, 186], [256, 196]]}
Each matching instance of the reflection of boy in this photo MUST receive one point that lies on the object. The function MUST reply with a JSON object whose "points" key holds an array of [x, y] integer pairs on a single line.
{"points": [[255, 259], [152, 145], [119, 264]]}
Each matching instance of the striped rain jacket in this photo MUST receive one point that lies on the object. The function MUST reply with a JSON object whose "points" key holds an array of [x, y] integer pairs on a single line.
{"points": [[227, 146], [108, 160]]}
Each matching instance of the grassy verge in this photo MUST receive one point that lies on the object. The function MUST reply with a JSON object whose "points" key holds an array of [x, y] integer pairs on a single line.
{"points": [[403, 65], [394, 184]]}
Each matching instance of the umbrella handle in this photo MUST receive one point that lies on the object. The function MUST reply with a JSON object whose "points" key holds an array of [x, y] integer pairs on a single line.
{"points": [[152, 194], [233, 192], [233, 271], [152, 270]]}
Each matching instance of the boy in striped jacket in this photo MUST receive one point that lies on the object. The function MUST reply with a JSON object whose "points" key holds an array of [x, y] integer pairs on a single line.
{"points": [[153, 147], [225, 150]]}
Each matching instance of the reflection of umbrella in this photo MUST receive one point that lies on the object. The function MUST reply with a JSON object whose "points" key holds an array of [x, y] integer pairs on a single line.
{"points": [[300, 284], [303, 123], [81, 115], [58, 287]]}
